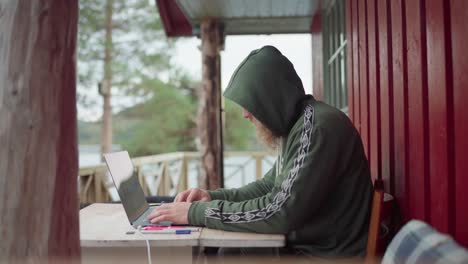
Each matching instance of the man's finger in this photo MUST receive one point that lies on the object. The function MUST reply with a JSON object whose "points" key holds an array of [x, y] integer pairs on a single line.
{"points": [[165, 206], [182, 196], [157, 213], [160, 219], [192, 196]]}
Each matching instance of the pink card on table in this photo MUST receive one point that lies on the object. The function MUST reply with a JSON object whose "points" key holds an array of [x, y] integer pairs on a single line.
{"points": [[160, 227]]}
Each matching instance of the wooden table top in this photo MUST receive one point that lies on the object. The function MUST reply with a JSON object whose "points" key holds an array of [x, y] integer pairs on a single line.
{"points": [[106, 225]]}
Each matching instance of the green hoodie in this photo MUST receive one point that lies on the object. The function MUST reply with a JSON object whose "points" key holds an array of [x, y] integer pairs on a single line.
{"points": [[321, 195]]}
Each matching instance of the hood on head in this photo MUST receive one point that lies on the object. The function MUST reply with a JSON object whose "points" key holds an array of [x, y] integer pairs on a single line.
{"points": [[267, 85]]}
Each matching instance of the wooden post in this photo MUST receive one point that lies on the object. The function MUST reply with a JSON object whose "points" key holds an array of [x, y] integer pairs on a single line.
{"points": [[162, 180], [38, 137], [258, 166], [182, 185], [167, 180], [85, 183], [98, 187], [209, 119]]}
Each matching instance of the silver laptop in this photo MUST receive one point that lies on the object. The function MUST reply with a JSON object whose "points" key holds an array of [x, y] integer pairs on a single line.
{"points": [[129, 189]]}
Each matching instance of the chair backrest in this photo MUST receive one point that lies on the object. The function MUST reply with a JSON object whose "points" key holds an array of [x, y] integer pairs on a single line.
{"points": [[378, 231]]}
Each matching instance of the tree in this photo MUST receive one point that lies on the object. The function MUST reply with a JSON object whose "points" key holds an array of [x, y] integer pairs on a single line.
{"points": [[167, 116], [166, 122], [121, 46], [155, 100]]}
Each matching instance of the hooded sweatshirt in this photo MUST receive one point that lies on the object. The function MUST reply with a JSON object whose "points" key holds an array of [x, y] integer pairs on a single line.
{"points": [[321, 194]]}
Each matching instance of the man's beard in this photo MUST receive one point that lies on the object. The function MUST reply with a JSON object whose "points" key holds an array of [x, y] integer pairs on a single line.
{"points": [[270, 139]]}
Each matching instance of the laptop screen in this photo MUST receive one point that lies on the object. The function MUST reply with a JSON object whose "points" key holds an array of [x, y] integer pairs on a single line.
{"points": [[129, 189]]}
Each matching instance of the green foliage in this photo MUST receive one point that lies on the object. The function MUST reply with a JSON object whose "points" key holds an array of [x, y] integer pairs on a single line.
{"points": [[164, 119], [167, 123], [238, 133], [140, 61], [139, 48], [163, 123]]}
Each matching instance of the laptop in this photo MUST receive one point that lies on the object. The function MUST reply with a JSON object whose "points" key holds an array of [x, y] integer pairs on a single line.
{"points": [[129, 189]]}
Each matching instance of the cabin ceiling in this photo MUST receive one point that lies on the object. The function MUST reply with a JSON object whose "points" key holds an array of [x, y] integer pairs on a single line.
{"points": [[253, 17]]}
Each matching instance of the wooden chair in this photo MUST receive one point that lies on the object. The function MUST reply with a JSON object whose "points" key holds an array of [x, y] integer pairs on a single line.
{"points": [[380, 223]]}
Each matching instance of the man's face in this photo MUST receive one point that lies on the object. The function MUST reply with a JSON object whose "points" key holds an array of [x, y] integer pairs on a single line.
{"points": [[263, 133]]}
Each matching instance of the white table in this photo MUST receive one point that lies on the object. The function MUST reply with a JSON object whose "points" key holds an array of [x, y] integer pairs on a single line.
{"points": [[104, 239]]}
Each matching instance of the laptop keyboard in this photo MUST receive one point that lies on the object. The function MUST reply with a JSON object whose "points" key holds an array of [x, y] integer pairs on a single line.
{"points": [[142, 221]]}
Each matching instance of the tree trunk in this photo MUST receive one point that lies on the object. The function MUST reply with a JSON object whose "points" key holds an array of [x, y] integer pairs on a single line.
{"points": [[38, 137], [106, 133], [209, 116]]}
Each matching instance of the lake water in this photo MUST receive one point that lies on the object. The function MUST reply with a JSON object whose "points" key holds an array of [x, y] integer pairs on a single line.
{"points": [[90, 155], [238, 171]]}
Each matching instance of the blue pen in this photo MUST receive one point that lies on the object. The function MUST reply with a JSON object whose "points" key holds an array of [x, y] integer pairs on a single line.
{"points": [[183, 232]]}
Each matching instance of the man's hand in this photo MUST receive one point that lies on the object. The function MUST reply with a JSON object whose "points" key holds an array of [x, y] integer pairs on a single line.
{"points": [[192, 195], [177, 213]]}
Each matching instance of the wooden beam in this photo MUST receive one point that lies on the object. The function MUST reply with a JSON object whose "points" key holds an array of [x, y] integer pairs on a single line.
{"points": [[39, 154], [209, 120]]}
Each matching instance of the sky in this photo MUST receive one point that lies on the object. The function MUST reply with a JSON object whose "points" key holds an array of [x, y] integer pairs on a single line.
{"points": [[296, 47]]}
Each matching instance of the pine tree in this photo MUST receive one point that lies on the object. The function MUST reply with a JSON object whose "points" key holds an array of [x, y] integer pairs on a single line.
{"points": [[122, 48], [132, 64]]}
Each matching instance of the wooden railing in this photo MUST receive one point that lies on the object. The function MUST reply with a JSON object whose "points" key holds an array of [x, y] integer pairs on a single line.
{"points": [[164, 174]]}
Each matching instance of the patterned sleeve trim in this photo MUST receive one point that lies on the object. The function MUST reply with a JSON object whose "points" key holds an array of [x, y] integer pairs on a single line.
{"points": [[282, 196]]}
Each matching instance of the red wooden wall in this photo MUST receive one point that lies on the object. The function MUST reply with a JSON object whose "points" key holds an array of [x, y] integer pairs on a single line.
{"points": [[408, 84]]}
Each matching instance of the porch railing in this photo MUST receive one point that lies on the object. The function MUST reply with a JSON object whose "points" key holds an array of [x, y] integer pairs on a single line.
{"points": [[167, 174]]}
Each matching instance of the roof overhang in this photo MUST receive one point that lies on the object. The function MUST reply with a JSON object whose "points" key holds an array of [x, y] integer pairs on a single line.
{"points": [[183, 17]]}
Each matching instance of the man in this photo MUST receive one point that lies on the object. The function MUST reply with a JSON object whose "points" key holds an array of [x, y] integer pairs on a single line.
{"points": [[319, 191]]}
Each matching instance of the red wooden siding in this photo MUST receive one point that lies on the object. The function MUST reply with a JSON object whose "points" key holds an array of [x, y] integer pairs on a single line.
{"points": [[456, 15], [386, 94], [407, 86], [374, 90], [417, 111], [363, 74], [399, 100], [440, 109], [174, 21], [354, 93], [350, 57]]}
